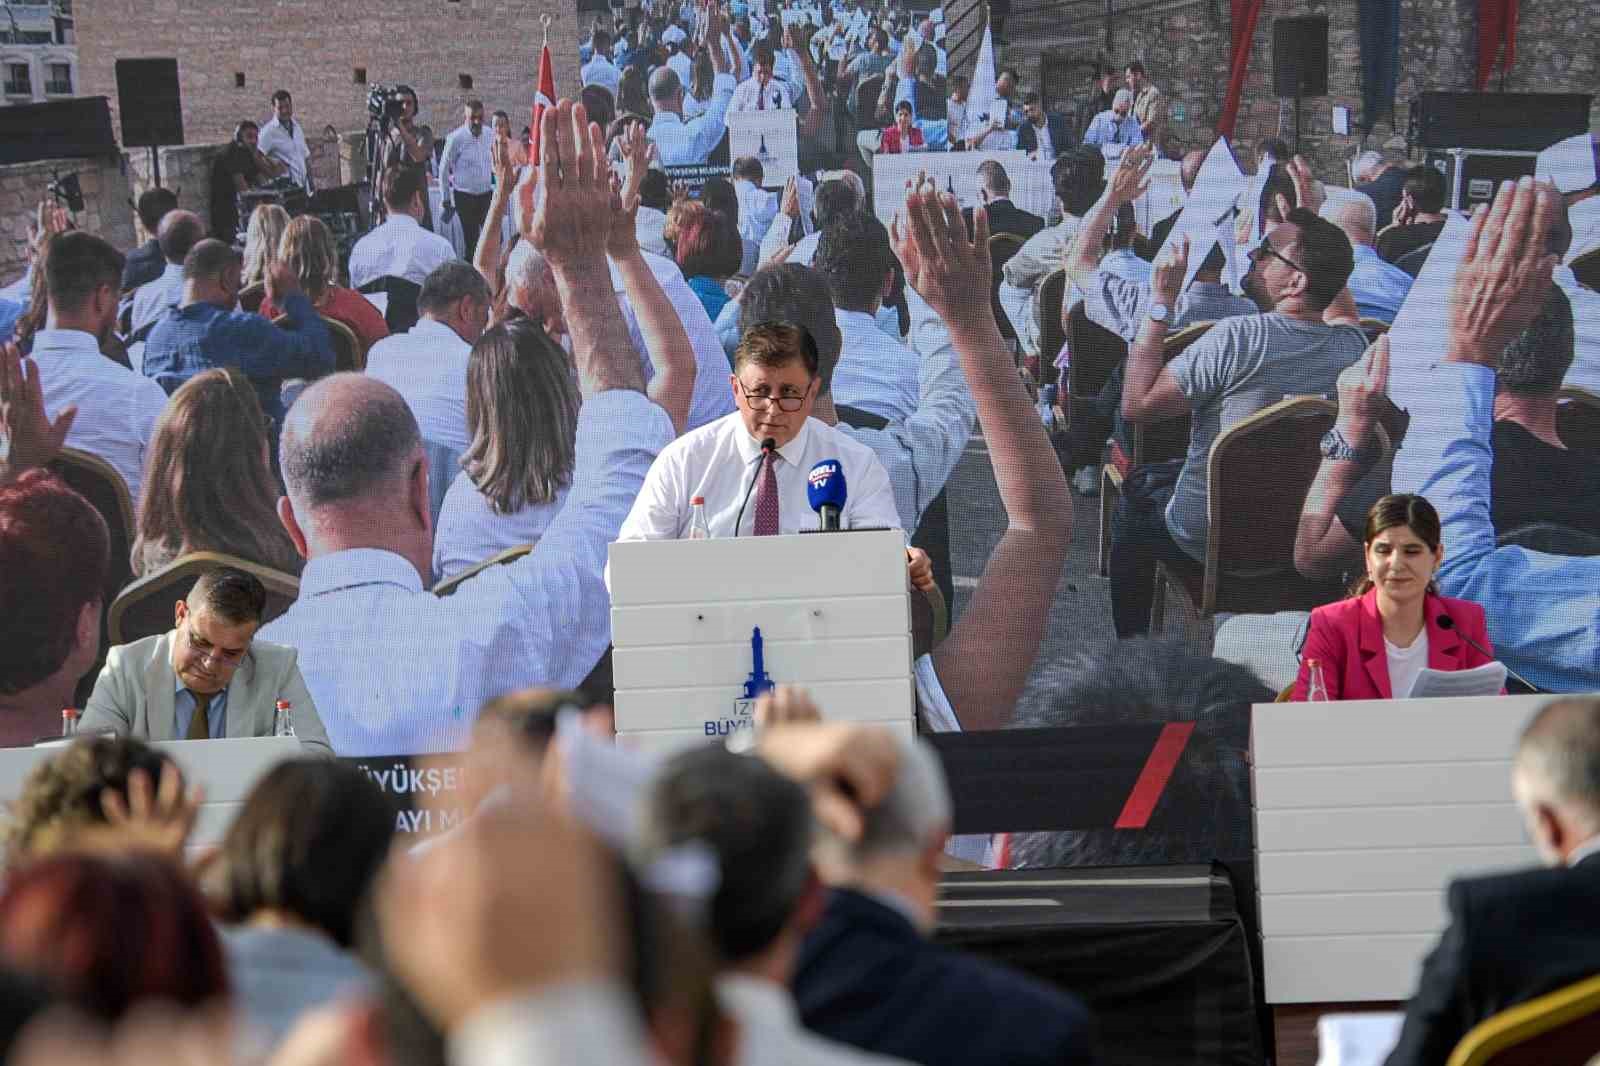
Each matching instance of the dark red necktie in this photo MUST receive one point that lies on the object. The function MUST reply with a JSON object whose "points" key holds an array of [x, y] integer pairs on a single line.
{"points": [[767, 498]]}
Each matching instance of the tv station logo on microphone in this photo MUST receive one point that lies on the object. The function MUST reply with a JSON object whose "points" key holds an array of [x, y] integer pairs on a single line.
{"points": [[744, 707], [822, 472]]}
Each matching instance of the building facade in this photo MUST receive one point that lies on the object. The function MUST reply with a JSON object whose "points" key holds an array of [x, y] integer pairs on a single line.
{"points": [[38, 51]]}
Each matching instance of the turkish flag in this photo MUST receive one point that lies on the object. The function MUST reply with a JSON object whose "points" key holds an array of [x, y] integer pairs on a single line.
{"points": [[543, 97]]}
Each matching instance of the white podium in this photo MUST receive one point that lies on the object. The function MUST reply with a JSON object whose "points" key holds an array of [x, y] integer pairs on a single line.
{"points": [[832, 611]]}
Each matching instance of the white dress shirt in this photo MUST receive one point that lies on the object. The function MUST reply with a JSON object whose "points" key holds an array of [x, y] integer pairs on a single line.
{"points": [[650, 225], [683, 67], [876, 373], [397, 670], [427, 365], [465, 166], [757, 209], [1585, 219], [117, 409], [680, 143], [400, 248], [470, 530], [604, 73], [770, 1033], [286, 147], [587, 1023], [1046, 151], [718, 462], [153, 299], [750, 92], [1585, 369]]}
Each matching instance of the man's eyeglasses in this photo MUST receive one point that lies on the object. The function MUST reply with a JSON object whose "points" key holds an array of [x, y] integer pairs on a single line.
{"points": [[760, 401], [208, 652], [1266, 248]]}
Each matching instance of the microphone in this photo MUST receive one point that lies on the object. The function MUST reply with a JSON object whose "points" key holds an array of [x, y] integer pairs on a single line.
{"points": [[826, 492], [1448, 624], [767, 445]]}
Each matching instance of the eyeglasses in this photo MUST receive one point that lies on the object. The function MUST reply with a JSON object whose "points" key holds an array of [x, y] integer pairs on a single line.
{"points": [[760, 401], [1266, 248], [210, 653]]}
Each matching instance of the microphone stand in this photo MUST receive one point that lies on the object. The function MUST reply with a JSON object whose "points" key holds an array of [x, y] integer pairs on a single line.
{"points": [[1448, 624]]}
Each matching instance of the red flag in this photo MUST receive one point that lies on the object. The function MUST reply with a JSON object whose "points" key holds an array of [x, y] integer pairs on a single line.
{"points": [[543, 97]]}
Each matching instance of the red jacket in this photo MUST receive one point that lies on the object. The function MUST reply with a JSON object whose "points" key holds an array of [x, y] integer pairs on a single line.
{"points": [[890, 143], [1347, 637]]}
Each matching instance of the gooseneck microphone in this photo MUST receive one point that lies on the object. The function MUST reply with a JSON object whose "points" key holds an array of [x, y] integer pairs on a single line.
{"points": [[1448, 624], [826, 492], [767, 446]]}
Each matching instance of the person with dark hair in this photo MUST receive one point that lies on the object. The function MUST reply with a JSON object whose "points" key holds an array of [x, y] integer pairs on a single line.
{"points": [[600, 70], [994, 192], [904, 135], [402, 247], [876, 373], [146, 262], [427, 364], [466, 176], [1244, 364], [289, 878], [761, 91], [1149, 106], [601, 105], [206, 332], [1270, 151], [112, 933], [1418, 220], [1375, 643], [179, 231], [756, 208], [707, 249], [207, 677], [835, 196], [283, 139], [1079, 177], [240, 167], [409, 147], [679, 139], [1382, 180], [117, 408], [1042, 135]]}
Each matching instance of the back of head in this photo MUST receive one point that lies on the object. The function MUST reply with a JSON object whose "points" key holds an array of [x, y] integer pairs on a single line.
{"points": [[529, 715], [209, 260], [834, 199], [794, 295], [1325, 254], [348, 439], [78, 264], [1366, 165], [1122, 98], [600, 105], [1274, 148], [927, 61], [401, 186], [914, 816], [655, 191], [1124, 227], [756, 822], [1537, 361], [61, 797], [1426, 187], [153, 207], [55, 554], [706, 243], [749, 168], [262, 239], [1079, 177], [718, 194], [522, 417], [1355, 214], [854, 257], [664, 85], [309, 251], [447, 285], [993, 178], [179, 231], [1556, 776], [112, 933], [308, 841]]}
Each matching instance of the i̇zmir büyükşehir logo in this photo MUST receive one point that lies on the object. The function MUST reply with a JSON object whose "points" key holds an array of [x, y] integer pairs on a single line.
{"points": [[744, 707]]}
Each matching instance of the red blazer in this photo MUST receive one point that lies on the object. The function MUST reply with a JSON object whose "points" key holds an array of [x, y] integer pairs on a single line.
{"points": [[891, 144], [1348, 638]]}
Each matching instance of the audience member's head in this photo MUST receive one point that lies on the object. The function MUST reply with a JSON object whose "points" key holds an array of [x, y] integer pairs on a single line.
{"points": [[775, 381], [1356, 215], [153, 207], [834, 199], [1305, 258], [214, 625], [705, 242], [61, 804], [309, 251], [960, 87], [1424, 190], [1204, 814], [83, 274], [1556, 777], [1134, 74], [262, 239], [1274, 149], [1367, 166], [522, 417], [305, 846], [666, 90], [1122, 103], [212, 273], [1124, 228], [112, 932], [993, 179], [1078, 175], [749, 168], [855, 258], [208, 482], [1537, 361], [404, 189], [798, 296], [718, 194], [655, 191], [455, 294], [599, 104], [531, 287], [179, 231]]}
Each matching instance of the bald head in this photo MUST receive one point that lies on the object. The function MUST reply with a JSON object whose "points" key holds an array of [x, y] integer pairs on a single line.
{"points": [[1189, 169], [664, 85], [1556, 776], [348, 439], [1355, 214], [179, 232]]}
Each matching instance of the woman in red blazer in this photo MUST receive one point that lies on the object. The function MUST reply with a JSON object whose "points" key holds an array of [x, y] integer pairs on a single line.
{"points": [[1388, 629], [902, 136]]}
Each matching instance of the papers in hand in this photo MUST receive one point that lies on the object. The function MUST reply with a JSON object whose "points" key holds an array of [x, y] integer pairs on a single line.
{"points": [[1207, 216], [1485, 680], [1357, 1039], [1569, 164]]}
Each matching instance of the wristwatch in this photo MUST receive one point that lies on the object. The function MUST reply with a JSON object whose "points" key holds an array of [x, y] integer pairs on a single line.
{"points": [[1334, 446], [1160, 312]]}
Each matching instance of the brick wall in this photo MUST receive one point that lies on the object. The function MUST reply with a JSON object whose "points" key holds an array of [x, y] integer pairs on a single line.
{"points": [[106, 194]]}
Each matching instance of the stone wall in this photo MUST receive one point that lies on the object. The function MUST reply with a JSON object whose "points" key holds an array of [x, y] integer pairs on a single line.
{"points": [[107, 195]]}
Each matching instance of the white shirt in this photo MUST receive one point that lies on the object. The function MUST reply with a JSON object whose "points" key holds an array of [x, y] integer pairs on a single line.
{"points": [[470, 530], [117, 409], [650, 225], [750, 91], [718, 462], [153, 299], [1585, 218], [805, 249], [400, 248], [1406, 663], [757, 209], [465, 166], [604, 73], [770, 1033], [427, 365], [396, 670], [1047, 147], [876, 373], [682, 66], [585, 1023], [286, 147], [680, 143], [1585, 369]]}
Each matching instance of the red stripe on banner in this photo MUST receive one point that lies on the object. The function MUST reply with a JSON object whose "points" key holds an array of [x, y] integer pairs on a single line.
{"points": [[1155, 775]]}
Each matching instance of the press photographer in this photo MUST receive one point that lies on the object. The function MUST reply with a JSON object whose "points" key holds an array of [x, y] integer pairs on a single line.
{"points": [[405, 144]]}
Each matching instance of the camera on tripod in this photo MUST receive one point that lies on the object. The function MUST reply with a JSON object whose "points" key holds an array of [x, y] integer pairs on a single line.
{"points": [[386, 103]]}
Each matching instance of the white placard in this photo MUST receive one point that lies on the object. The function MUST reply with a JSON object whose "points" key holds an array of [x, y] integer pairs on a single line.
{"points": [[1207, 217], [957, 172], [771, 137], [1569, 164]]}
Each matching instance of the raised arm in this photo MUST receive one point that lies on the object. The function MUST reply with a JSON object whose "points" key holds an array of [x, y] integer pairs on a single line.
{"points": [[1127, 184], [486, 257], [34, 438], [811, 122], [1323, 548], [1150, 393]]}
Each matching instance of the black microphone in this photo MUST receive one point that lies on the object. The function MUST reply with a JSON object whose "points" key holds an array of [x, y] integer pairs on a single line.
{"points": [[1448, 624], [768, 445]]}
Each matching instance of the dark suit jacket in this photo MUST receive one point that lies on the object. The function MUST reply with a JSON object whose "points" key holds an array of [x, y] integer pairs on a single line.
{"points": [[1060, 137], [866, 977], [1512, 938], [1007, 217], [145, 263]]}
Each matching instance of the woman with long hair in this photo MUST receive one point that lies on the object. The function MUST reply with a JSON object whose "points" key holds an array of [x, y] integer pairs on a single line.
{"points": [[1372, 645], [208, 482], [522, 421], [701, 85], [707, 248], [261, 242], [308, 248]]}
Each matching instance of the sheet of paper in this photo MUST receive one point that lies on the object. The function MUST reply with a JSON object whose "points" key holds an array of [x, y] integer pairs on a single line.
{"points": [[1568, 163], [1357, 1039], [1485, 680], [1207, 215]]}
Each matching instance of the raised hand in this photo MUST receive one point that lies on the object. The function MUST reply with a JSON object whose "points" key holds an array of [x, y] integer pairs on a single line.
{"points": [[1131, 178], [1166, 280], [1307, 189], [571, 218], [639, 153], [948, 270], [790, 204], [1363, 387], [31, 437], [282, 282], [160, 818], [505, 170], [1505, 274]]}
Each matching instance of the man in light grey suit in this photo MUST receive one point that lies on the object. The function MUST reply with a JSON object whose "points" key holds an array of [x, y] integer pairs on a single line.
{"points": [[207, 677]]}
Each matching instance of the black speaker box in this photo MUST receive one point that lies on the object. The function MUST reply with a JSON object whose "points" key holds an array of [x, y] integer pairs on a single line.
{"points": [[79, 128], [152, 109], [1300, 56], [1522, 122]]}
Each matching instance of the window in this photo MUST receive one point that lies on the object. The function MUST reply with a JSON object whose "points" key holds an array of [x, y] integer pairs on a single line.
{"points": [[360, 76], [59, 80], [238, 79], [19, 82], [464, 81]]}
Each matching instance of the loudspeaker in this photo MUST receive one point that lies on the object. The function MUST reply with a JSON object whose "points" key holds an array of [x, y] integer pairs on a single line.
{"points": [[1300, 56], [147, 94], [1525, 122], [79, 128]]}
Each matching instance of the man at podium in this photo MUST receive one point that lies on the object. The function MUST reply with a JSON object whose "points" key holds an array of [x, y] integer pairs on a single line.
{"points": [[753, 467]]}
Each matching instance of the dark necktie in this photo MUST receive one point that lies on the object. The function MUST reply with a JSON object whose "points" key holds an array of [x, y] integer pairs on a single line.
{"points": [[767, 498], [761, 98], [199, 725]]}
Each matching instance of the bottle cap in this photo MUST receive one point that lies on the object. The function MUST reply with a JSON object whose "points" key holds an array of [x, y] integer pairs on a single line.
{"points": [[697, 501], [68, 712], [1313, 663], [284, 705]]}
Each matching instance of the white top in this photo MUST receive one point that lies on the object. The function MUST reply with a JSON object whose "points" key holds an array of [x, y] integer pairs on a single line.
{"points": [[757, 209], [750, 93], [1585, 369], [770, 1033], [427, 365], [400, 248], [719, 461], [395, 669], [1047, 147], [465, 166], [20, 290], [680, 143], [153, 299], [117, 409], [469, 530], [682, 66], [650, 225], [601, 71], [1585, 218], [286, 146], [876, 373], [1406, 663], [577, 1023]]}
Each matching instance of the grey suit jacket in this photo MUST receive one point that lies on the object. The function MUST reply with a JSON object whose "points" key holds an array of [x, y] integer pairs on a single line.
{"points": [[136, 692]]}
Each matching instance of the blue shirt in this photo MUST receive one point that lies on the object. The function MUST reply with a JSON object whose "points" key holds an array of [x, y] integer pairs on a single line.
{"points": [[712, 295], [203, 336], [183, 705], [1543, 610], [1379, 288], [10, 311], [1108, 129]]}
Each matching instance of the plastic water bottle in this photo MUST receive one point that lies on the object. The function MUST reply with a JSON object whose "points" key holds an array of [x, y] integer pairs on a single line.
{"points": [[1047, 407], [69, 722], [283, 719], [1316, 687], [699, 528]]}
